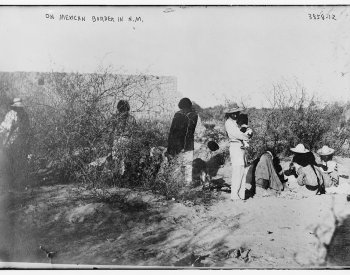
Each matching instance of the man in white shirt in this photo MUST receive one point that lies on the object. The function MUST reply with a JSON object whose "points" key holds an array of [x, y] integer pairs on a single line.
{"points": [[236, 152]]}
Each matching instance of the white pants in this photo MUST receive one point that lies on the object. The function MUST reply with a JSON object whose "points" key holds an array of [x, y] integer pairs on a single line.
{"points": [[186, 166], [238, 171]]}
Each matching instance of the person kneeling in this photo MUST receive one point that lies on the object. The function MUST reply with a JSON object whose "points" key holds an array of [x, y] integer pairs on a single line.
{"points": [[267, 180], [308, 174]]}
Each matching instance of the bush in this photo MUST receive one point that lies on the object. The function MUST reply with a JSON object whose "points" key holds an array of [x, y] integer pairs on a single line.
{"points": [[169, 181], [69, 117], [294, 118]]}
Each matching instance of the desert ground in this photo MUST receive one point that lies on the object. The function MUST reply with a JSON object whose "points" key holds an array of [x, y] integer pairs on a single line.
{"points": [[138, 228]]}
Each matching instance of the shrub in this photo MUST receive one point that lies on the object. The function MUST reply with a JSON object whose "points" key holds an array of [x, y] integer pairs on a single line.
{"points": [[169, 181], [294, 118], [69, 117]]}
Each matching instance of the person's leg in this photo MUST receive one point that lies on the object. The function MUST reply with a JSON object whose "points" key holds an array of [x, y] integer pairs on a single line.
{"points": [[263, 189], [237, 182], [11, 166], [187, 163], [242, 186], [234, 182], [20, 167]]}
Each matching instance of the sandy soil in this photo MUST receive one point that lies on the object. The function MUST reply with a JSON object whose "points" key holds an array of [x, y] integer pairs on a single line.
{"points": [[143, 229]]}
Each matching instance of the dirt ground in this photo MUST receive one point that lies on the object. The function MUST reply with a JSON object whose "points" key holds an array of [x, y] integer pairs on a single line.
{"points": [[143, 229]]}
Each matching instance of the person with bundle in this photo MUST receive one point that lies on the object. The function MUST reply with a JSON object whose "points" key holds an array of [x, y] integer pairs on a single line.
{"points": [[242, 123], [328, 165], [236, 152]]}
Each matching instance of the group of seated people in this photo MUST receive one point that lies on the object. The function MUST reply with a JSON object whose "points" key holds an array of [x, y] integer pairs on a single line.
{"points": [[269, 176]]}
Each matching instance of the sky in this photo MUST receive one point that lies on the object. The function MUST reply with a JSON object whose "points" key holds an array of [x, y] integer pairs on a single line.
{"points": [[237, 52]]}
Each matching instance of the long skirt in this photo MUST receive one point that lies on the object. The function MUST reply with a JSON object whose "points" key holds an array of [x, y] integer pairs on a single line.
{"points": [[186, 166]]}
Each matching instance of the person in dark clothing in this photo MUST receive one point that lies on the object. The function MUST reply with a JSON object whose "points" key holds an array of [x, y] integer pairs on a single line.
{"points": [[15, 136], [181, 136]]}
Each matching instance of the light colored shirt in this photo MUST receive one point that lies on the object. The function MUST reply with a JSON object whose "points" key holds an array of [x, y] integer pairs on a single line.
{"points": [[307, 176], [8, 125], [331, 166], [233, 131], [331, 169]]}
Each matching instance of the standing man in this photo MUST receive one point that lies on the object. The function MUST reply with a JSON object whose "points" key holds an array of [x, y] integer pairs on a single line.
{"points": [[181, 137], [15, 143], [236, 152]]}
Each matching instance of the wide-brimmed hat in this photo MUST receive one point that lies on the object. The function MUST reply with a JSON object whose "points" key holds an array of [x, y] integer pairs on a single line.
{"points": [[300, 148], [17, 102], [325, 151], [233, 109]]}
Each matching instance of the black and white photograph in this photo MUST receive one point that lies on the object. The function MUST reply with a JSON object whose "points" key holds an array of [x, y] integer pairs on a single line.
{"points": [[175, 136]]}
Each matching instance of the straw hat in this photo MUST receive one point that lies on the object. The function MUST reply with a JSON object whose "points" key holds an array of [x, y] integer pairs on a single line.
{"points": [[300, 148], [17, 102], [233, 109], [325, 151]]}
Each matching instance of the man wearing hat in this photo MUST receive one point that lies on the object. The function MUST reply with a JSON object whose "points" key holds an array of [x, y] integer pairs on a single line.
{"points": [[181, 137], [307, 171], [14, 142], [329, 166], [236, 152]]}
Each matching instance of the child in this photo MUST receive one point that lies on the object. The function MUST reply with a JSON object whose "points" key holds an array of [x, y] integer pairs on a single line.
{"points": [[242, 123], [329, 166]]}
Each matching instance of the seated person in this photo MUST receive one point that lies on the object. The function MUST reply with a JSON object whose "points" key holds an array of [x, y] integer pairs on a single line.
{"points": [[329, 166], [278, 168], [267, 180], [305, 169]]}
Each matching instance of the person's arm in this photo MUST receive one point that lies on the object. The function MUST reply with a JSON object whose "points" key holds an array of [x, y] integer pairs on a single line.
{"points": [[173, 129], [174, 125], [233, 131], [249, 132], [301, 177]]}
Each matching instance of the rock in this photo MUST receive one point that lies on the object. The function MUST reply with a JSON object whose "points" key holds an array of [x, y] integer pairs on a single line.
{"points": [[81, 213], [234, 253], [245, 255]]}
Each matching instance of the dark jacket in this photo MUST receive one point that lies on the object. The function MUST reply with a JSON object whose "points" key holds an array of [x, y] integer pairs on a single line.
{"points": [[181, 136]]}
